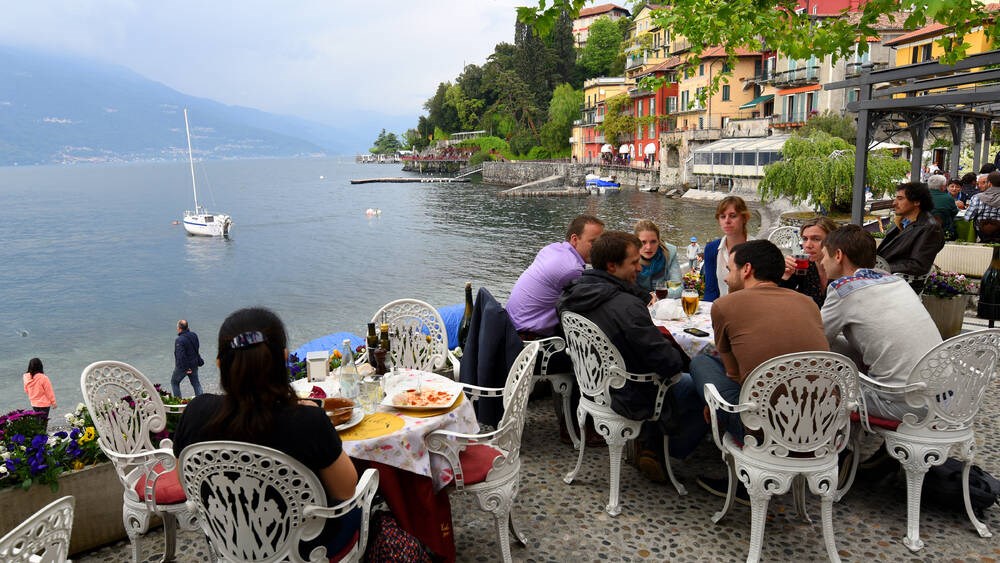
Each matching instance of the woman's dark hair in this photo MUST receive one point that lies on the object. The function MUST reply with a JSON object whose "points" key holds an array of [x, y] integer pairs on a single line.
{"points": [[253, 374], [35, 366]]}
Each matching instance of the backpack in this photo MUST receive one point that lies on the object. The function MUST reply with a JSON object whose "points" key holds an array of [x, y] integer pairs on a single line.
{"points": [[943, 487]]}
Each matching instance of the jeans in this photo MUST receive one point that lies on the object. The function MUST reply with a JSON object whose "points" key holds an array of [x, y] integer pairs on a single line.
{"points": [[706, 369], [178, 376]]}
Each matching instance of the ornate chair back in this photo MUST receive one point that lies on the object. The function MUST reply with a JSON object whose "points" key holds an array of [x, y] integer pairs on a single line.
{"points": [[596, 361], [515, 404], [256, 503], [786, 238], [956, 373], [42, 538], [126, 409], [419, 337], [801, 404]]}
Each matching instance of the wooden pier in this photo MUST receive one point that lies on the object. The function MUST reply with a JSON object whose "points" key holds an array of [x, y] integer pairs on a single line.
{"points": [[409, 180]]}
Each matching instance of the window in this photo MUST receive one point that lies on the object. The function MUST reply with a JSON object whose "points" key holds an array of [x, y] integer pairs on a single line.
{"points": [[684, 100], [914, 55], [703, 158], [638, 111], [701, 69], [725, 92], [853, 95], [926, 52], [701, 123], [652, 106], [652, 130], [638, 130], [725, 67]]}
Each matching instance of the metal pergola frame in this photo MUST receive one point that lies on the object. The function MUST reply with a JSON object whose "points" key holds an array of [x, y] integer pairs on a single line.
{"points": [[931, 95]]}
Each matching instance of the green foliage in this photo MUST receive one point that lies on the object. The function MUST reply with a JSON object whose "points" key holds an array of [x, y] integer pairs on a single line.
{"points": [[563, 110], [413, 140], [440, 135], [386, 143], [490, 145], [479, 158], [603, 47], [616, 125], [467, 109], [841, 126], [749, 24], [522, 141], [539, 153], [820, 169]]}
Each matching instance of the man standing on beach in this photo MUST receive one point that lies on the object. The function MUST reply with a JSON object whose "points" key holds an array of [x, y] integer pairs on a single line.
{"points": [[532, 303], [186, 360]]}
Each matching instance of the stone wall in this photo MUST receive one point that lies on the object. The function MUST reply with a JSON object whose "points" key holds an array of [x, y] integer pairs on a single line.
{"points": [[519, 173]]}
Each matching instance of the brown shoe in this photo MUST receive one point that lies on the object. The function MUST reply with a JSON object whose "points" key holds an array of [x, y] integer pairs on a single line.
{"points": [[651, 466]]}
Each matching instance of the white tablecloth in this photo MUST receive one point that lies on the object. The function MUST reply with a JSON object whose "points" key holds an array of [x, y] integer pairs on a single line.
{"points": [[692, 345]]}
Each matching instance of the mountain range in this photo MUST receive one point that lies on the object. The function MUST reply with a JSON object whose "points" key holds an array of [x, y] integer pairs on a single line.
{"points": [[57, 109]]}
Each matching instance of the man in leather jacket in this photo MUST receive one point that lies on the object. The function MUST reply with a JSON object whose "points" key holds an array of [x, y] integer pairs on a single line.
{"points": [[914, 240]]}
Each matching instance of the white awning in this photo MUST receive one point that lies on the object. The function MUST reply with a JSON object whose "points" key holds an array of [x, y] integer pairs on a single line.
{"points": [[623, 149], [650, 148], [745, 144], [607, 148]]}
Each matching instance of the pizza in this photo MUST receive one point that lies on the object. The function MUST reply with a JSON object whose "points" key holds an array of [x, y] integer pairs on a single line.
{"points": [[423, 398]]}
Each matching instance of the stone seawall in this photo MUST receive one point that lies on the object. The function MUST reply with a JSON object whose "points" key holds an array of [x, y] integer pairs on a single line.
{"points": [[519, 173]]}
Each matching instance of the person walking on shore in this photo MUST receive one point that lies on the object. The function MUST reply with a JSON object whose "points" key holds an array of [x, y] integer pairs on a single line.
{"points": [[186, 360], [39, 389], [693, 250]]}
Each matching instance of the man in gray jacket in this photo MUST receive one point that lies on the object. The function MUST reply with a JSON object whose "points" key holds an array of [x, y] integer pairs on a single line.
{"points": [[873, 317]]}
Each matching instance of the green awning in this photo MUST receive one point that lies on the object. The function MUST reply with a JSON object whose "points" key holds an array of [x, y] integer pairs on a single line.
{"points": [[757, 101]]}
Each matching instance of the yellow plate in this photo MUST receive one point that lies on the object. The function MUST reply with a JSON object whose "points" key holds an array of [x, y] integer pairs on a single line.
{"points": [[372, 426]]}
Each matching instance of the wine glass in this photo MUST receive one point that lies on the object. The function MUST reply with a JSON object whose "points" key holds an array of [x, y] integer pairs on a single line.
{"points": [[673, 286], [689, 301]]}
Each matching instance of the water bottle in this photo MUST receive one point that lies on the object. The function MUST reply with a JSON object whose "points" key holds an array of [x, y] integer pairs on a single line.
{"points": [[348, 372]]}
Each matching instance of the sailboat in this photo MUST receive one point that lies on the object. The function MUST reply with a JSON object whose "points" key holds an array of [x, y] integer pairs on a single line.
{"points": [[200, 221]]}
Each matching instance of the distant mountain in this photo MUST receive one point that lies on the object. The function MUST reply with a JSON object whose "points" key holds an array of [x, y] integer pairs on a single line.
{"points": [[56, 109]]}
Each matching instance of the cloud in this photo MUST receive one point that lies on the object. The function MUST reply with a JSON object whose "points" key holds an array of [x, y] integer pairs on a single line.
{"points": [[314, 59]]}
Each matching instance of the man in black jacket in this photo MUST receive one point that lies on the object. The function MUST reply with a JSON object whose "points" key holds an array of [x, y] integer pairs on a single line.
{"points": [[608, 296], [186, 360], [913, 242]]}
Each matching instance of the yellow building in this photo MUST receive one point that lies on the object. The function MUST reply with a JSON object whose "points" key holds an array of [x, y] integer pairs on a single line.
{"points": [[919, 46], [587, 139], [725, 104], [649, 44]]}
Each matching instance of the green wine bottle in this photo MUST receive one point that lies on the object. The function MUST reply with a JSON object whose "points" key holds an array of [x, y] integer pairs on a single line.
{"points": [[463, 327]]}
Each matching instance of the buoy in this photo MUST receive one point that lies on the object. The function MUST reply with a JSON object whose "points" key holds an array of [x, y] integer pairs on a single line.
{"points": [[175, 222], [369, 212], [322, 177]]}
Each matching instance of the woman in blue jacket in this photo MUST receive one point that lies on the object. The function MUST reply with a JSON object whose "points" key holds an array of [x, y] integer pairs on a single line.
{"points": [[733, 215], [658, 259]]}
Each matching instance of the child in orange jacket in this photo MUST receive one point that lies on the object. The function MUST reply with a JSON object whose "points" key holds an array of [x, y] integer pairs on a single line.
{"points": [[39, 388]]}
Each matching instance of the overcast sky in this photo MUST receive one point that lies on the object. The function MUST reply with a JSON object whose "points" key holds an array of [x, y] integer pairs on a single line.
{"points": [[316, 59]]}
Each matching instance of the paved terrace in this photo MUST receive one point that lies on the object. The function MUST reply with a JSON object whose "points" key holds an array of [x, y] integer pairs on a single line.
{"points": [[568, 523]]}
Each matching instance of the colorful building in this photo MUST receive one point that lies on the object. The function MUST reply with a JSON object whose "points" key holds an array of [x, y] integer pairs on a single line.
{"points": [[587, 16], [588, 140]]}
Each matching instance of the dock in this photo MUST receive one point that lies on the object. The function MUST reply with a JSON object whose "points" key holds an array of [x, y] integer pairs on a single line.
{"points": [[410, 180]]}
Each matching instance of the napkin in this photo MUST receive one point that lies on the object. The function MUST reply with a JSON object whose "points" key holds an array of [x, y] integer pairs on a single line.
{"points": [[668, 310]]}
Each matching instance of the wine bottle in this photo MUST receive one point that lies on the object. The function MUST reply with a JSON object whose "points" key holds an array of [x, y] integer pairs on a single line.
{"points": [[371, 342], [348, 372], [383, 341], [463, 327]]}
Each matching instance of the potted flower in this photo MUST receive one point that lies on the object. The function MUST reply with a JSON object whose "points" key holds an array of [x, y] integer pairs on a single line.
{"points": [[945, 297]]}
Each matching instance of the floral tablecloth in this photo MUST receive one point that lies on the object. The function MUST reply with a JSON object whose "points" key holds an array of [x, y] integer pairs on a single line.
{"points": [[692, 345], [404, 448]]}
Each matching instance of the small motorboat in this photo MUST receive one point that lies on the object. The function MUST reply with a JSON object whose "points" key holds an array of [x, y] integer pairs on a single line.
{"points": [[599, 185]]}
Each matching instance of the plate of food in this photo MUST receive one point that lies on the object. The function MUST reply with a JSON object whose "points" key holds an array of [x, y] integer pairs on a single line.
{"points": [[306, 389], [425, 394], [356, 416]]}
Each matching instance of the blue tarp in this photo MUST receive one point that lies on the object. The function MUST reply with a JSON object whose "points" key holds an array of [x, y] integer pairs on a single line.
{"points": [[452, 315]]}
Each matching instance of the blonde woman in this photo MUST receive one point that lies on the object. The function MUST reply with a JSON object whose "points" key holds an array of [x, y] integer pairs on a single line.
{"points": [[733, 215], [658, 259]]}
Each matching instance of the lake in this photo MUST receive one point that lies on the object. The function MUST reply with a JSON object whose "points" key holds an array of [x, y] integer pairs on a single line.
{"points": [[96, 269]]}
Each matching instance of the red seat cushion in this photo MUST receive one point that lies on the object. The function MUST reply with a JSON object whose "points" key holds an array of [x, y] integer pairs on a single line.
{"points": [[168, 487], [886, 423], [477, 460]]}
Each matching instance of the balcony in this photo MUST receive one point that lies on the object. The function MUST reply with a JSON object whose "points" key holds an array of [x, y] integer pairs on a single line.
{"points": [[854, 69], [639, 92], [633, 61], [793, 119], [694, 108], [796, 77]]}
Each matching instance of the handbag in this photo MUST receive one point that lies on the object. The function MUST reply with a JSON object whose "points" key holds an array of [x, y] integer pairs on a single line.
{"points": [[389, 543]]}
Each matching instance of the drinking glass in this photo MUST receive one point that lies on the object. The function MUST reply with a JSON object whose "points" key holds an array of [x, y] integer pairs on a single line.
{"points": [[689, 301], [801, 264], [370, 394], [673, 286], [662, 289]]}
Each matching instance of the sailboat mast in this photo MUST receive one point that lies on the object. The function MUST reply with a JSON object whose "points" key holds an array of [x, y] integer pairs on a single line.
{"points": [[194, 187]]}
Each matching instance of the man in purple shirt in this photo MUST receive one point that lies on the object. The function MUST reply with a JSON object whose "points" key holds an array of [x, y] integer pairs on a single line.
{"points": [[532, 303]]}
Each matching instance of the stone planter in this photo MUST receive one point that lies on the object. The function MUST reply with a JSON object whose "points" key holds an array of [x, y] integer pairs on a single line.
{"points": [[97, 518], [946, 313]]}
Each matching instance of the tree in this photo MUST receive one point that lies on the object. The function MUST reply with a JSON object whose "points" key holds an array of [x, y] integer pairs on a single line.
{"points": [[820, 168], [837, 125], [562, 44], [617, 126], [534, 63], [467, 109], [778, 24], [386, 143], [604, 44], [563, 110], [413, 140]]}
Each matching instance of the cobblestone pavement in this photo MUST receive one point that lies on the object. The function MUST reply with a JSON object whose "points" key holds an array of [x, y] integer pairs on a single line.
{"points": [[568, 523]]}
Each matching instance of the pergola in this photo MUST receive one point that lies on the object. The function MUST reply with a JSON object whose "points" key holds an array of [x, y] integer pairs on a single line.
{"points": [[919, 97]]}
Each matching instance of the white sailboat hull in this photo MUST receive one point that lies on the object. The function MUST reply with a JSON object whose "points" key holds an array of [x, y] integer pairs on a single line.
{"points": [[207, 224]]}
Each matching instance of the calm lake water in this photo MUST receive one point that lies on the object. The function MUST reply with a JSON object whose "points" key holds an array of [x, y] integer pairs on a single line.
{"points": [[94, 269]]}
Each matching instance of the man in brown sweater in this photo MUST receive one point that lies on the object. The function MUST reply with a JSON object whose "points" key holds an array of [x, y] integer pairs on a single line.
{"points": [[755, 322]]}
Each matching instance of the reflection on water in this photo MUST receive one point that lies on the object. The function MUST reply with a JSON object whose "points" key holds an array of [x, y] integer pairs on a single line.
{"points": [[97, 271]]}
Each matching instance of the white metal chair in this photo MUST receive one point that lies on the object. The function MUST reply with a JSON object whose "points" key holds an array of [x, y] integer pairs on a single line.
{"points": [[786, 238], [599, 368], [881, 264], [562, 383], [127, 409], [419, 337], [42, 538], [945, 390], [489, 465], [796, 411], [257, 504]]}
